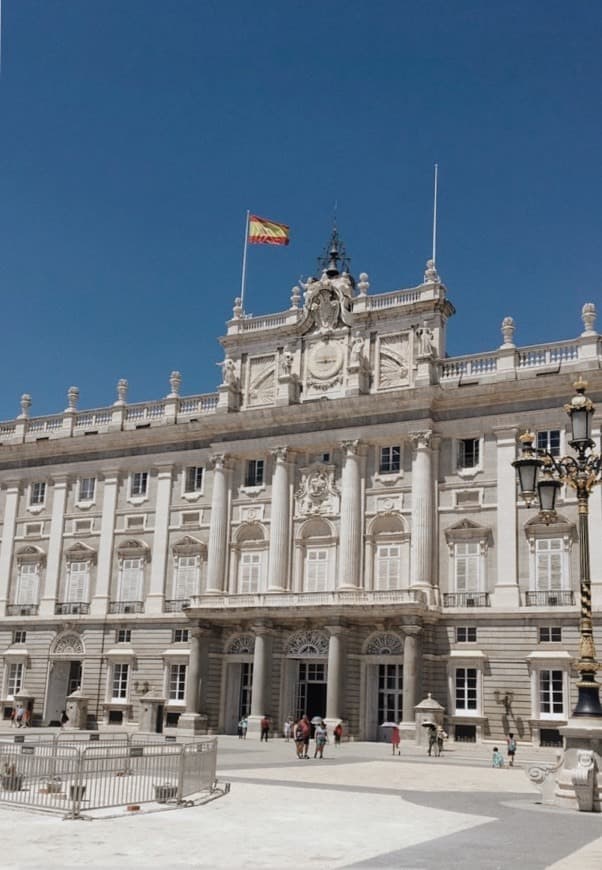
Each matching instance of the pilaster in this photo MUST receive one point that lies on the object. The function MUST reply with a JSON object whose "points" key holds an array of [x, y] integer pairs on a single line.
{"points": [[218, 529], [193, 721], [13, 490], [156, 596], [55, 546], [105, 545], [506, 593], [422, 511]]}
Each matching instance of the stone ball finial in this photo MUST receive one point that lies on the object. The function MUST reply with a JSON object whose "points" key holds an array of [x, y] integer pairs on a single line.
{"points": [[25, 405], [122, 391], [72, 399], [237, 308], [363, 285], [175, 382], [508, 330], [295, 297], [588, 316]]}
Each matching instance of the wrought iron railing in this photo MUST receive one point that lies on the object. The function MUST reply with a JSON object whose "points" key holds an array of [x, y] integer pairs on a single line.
{"points": [[126, 606], [549, 598], [173, 605], [22, 609], [466, 599], [71, 608]]}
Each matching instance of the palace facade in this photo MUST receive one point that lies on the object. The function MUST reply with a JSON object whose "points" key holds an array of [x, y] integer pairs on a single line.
{"points": [[335, 531]]}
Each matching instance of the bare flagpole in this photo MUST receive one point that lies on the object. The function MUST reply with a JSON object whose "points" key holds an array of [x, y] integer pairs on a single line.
{"points": [[435, 216], [243, 281]]}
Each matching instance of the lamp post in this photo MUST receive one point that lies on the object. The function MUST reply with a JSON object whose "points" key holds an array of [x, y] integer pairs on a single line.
{"points": [[540, 475]]}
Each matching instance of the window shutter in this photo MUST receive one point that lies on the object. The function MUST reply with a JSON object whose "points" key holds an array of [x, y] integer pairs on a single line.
{"points": [[78, 582], [27, 586], [131, 580], [186, 577]]}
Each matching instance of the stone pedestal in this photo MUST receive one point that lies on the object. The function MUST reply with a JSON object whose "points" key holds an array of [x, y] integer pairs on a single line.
{"points": [[147, 712], [428, 710], [583, 737], [76, 707], [193, 724]]}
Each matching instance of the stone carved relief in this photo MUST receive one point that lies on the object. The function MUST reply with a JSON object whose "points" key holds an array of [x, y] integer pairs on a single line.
{"points": [[324, 365], [307, 644], [68, 645], [317, 494], [262, 381], [244, 643], [393, 361], [252, 513], [328, 302], [385, 644]]}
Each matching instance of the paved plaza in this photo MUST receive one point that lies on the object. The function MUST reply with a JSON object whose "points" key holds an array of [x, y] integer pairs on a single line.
{"points": [[358, 807]]}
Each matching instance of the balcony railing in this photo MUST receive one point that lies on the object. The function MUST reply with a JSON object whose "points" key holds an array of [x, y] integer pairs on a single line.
{"points": [[355, 597], [71, 608], [22, 609], [549, 598], [466, 599], [173, 605], [126, 606]]}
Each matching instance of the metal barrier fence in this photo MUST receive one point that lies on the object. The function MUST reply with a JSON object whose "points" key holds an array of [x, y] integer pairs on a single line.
{"points": [[72, 773]]}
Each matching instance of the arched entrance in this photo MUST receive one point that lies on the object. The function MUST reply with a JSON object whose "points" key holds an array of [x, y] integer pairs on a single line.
{"points": [[383, 682], [307, 672], [238, 680], [64, 674]]}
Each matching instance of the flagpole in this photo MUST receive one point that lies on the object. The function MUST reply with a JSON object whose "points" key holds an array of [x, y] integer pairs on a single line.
{"points": [[435, 216], [243, 281]]}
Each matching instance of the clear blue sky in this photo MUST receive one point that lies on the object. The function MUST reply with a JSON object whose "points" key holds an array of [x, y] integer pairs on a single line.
{"points": [[134, 134]]}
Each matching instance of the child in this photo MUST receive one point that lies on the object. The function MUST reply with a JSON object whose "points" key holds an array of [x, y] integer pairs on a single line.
{"points": [[498, 758]]}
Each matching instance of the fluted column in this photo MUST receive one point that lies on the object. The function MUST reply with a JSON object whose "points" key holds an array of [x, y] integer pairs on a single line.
{"points": [[11, 504], [156, 595], [218, 529], [350, 538], [260, 694], [279, 523], [506, 592], [335, 674], [422, 511], [105, 545], [55, 546], [193, 721], [410, 674]]}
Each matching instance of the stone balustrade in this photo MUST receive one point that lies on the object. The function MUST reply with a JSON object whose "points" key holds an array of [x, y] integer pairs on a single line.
{"points": [[353, 597]]}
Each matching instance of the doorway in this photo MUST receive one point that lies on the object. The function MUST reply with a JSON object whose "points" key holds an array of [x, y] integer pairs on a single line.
{"points": [[311, 689], [65, 677]]}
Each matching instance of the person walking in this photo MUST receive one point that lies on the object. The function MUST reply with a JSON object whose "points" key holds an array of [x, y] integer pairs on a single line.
{"points": [[245, 725], [321, 738], [265, 729], [432, 739], [19, 715], [338, 733], [497, 759], [511, 743], [395, 740], [441, 738], [288, 726], [298, 737], [305, 724]]}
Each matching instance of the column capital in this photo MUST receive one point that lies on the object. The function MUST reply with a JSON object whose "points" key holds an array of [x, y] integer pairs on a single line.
{"points": [[411, 630], [280, 454], [220, 461], [336, 629], [261, 628], [109, 475], [505, 434], [421, 440], [60, 479], [351, 447], [201, 630], [163, 471], [12, 485]]}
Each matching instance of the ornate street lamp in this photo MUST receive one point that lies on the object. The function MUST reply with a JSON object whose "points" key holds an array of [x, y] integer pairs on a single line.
{"points": [[541, 475]]}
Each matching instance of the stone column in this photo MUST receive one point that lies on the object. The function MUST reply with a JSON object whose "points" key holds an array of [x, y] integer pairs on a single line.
{"points": [[156, 595], [279, 523], [55, 546], [260, 695], [410, 679], [105, 545], [334, 686], [218, 529], [193, 721], [350, 536], [13, 490], [422, 512], [506, 593]]}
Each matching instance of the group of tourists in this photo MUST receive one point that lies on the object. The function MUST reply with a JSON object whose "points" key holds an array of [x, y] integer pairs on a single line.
{"points": [[21, 717], [301, 732], [498, 759], [437, 737]]}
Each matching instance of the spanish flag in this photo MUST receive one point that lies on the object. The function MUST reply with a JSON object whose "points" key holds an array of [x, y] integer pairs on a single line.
{"points": [[264, 232]]}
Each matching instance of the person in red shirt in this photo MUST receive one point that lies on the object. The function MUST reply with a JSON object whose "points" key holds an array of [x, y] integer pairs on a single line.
{"points": [[395, 740], [265, 728]]}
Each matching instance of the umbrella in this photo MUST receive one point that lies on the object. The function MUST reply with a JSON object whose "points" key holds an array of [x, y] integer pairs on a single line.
{"points": [[389, 725], [316, 720]]}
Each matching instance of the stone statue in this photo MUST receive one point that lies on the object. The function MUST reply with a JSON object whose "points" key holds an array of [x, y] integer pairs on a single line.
{"points": [[229, 377]]}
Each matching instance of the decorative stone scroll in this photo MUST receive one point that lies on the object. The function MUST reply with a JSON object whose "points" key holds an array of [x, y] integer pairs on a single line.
{"points": [[241, 644], [67, 645], [307, 644]]}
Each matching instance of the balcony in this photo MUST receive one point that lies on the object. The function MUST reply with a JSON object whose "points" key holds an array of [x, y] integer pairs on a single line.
{"points": [[174, 605], [22, 609], [466, 599], [555, 598], [126, 606], [71, 608], [351, 597]]}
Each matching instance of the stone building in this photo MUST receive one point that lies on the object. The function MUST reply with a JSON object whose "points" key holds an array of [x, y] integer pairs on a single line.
{"points": [[335, 531]]}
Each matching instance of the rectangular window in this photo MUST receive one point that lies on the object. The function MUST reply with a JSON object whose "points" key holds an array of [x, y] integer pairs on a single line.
{"points": [[390, 693], [548, 564], [19, 636], [177, 682], [466, 689], [81, 527], [466, 634], [87, 486], [27, 584], [467, 564], [388, 566], [119, 688], [77, 589], [37, 494], [139, 483], [186, 581], [254, 473], [551, 700], [33, 530], [390, 460], [246, 690], [135, 522], [249, 571], [131, 580], [194, 479], [468, 453], [123, 635], [14, 679], [549, 440], [181, 635], [316, 570], [193, 518], [550, 634], [326, 457]]}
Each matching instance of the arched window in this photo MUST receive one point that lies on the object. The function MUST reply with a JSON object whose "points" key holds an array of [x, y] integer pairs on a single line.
{"points": [[390, 544], [319, 550], [251, 549], [190, 558]]}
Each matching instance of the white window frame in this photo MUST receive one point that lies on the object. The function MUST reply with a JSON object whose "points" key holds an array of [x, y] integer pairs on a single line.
{"points": [[463, 659], [471, 471], [29, 569], [35, 502], [393, 578], [546, 445], [466, 629], [140, 583], [14, 674], [85, 583], [127, 639], [544, 584], [194, 584], [181, 639], [116, 678], [250, 562], [549, 629], [179, 697], [135, 479], [83, 499], [466, 668], [390, 448], [256, 484], [474, 564], [198, 488], [549, 661], [320, 580]]}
